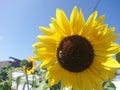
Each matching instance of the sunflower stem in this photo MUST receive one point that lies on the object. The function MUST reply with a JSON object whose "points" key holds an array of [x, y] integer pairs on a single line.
{"points": [[10, 76], [27, 79], [62, 88], [33, 80]]}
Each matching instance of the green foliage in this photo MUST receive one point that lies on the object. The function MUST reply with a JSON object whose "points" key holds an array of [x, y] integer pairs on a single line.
{"points": [[5, 86], [56, 87], [38, 80], [10, 75], [40, 83], [3, 73], [18, 81], [118, 57], [108, 86]]}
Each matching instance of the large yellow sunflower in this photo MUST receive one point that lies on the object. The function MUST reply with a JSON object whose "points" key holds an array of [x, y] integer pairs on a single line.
{"points": [[78, 53]]}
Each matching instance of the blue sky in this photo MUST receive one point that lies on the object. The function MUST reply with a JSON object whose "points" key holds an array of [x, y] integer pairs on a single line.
{"points": [[20, 19]]}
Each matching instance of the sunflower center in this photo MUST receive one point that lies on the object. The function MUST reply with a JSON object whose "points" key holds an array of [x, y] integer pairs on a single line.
{"points": [[29, 65], [75, 53]]}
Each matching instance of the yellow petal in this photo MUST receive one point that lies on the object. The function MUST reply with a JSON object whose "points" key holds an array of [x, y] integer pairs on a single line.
{"points": [[81, 22], [86, 80], [46, 31], [67, 80], [48, 40], [63, 21], [37, 45], [94, 79], [48, 62], [110, 62], [92, 18], [99, 21], [52, 82], [74, 20], [52, 73], [102, 72], [89, 24], [56, 27]]}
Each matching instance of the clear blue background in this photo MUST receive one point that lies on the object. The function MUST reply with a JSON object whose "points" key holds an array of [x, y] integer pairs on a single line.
{"points": [[20, 19]]}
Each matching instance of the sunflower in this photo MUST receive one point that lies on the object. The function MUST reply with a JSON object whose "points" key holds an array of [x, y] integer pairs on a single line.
{"points": [[77, 53], [29, 66]]}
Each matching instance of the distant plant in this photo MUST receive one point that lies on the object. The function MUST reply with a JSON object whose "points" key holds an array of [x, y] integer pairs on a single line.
{"points": [[5, 86], [3, 73], [5, 77]]}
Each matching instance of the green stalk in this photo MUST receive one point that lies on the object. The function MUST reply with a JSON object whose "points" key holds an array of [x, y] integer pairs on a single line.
{"points": [[10, 77], [18, 82], [33, 80], [62, 88], [27, 79], [24, 86]]}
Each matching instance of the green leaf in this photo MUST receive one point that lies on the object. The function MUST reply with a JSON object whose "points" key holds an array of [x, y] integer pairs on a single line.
{"points": [[5, 86], [108, 86], [56, 87], [1, 86], [3, 73], [18, 81], [41, 81], [118, 57], [43, 86]]}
